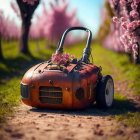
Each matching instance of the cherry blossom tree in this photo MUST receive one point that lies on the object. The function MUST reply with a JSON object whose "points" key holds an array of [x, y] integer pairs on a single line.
{"points": [[27, 8], [124, 35], [53, 22]]}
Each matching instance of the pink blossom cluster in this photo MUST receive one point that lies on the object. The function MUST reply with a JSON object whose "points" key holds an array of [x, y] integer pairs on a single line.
{"points": [[124, 33], [31, 2], [8, 28], [61, 59], [53, 22]]}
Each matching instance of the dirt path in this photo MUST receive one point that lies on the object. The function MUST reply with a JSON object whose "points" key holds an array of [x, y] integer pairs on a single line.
{"points": [[89, 124], [46, 124], [29, 124]]}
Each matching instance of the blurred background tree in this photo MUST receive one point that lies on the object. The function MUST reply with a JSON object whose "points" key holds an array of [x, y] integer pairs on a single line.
{"points": [[27, 9], [53, 22], [123, 34]]}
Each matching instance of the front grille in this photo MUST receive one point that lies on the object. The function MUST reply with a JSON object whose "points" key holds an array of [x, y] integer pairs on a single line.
{"points": [[25, 91], [50, 95]]}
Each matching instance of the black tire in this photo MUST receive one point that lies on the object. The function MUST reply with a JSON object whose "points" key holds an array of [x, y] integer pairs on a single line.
{"points": [[105, 92]]}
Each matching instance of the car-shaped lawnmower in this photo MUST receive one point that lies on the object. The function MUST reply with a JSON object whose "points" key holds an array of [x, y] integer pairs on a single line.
{"points": [[61, 83]]}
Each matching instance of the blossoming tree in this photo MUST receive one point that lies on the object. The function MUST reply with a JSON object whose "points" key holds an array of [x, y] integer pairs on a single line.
{"points": [[27, 8], [53, 22], [124, 35]]}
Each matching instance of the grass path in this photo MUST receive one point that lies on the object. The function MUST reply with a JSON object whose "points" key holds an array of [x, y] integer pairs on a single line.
{"points": [[122, 121]]}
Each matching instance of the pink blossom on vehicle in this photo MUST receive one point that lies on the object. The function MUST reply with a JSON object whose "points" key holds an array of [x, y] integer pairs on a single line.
{"points": [[61, 59], [72, 57], [58, 59], [66, 56]]}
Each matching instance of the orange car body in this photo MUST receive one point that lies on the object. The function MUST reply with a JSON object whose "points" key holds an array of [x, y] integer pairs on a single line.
{"points": [[65, 87]]}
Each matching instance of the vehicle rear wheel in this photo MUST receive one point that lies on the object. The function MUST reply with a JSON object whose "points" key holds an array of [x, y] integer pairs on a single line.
{"points": [[105, 92]]}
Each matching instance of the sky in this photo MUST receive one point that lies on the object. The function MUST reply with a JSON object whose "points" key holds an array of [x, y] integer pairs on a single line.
{"points": [[88, 12]]}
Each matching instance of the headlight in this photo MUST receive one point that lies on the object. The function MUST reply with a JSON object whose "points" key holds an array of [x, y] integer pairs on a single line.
{"points": [[25, 91]]}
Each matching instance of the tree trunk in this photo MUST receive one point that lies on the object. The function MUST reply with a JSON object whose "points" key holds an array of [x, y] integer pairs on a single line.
{"points": [[23, 42], [1, 56], [26, 11]]}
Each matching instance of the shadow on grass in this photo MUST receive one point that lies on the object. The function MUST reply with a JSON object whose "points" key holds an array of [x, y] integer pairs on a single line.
{"points": [[119, 107], [17, 66]]}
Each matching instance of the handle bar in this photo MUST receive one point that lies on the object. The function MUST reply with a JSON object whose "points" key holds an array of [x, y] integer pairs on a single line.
{"points": [[86, 52]]}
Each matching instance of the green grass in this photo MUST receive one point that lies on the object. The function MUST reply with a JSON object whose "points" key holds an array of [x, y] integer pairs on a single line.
{"points": [[9, 97], [15, 65], [131, 119], [126, 70], [12, 69], [129, 71], [125, 112]]}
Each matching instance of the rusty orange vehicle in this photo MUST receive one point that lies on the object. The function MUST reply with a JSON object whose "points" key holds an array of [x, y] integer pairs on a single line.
{"points": [[61, 83]]}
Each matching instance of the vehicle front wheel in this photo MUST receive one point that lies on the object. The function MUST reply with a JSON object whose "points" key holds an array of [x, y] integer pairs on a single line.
{"points": [[105, 92]]}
